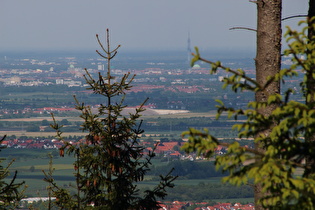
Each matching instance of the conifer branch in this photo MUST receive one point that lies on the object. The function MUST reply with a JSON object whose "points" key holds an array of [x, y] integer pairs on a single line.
{"points": [[101, 45]]}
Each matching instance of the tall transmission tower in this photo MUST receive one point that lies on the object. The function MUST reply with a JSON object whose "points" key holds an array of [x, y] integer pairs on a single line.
{"points": [[188, 48]]}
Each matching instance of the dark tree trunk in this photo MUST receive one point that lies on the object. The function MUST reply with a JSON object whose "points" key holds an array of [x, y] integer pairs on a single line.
{"points": [[268, 60], [311, 9], [310, 82]]}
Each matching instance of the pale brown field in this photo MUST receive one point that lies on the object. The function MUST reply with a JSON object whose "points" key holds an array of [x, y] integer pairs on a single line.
{"points": [[36, 119], [149, 114], [38, 134]]}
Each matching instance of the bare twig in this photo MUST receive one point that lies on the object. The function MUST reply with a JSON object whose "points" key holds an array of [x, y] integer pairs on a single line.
{"points": [[243, 28], [293, 16]]}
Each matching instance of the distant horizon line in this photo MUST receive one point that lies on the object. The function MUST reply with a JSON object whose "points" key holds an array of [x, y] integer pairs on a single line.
{"points": [[214, 51]]}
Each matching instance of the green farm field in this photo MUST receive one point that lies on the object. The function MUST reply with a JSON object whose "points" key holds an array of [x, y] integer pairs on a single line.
{"points": [[30, 164]]}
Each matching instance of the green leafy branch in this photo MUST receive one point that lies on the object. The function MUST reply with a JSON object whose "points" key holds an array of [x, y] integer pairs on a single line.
{"points": [[283, 134]]}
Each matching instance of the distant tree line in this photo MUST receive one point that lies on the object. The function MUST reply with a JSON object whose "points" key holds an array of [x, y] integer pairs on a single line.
{"points": [[189, 169], [209, 191]]}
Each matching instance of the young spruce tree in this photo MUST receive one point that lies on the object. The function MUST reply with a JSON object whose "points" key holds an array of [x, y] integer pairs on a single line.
{"points": [[10, 193], [110, 161]]}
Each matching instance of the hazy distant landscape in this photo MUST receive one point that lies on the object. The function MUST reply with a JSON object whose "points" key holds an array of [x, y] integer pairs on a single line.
{"points": [[70, 126], [31, 89], [180, 97]]}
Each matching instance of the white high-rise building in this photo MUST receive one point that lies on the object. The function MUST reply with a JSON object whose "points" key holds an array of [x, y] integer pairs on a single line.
{"points": [[100, 67]]}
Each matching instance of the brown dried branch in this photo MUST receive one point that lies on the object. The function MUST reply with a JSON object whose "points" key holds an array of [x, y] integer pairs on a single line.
{"points": [[243, 28], [293, 16]]}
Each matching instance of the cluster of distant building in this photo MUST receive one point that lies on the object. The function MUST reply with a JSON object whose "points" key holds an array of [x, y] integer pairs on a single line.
{"points": [[167, 149], [33, 144], [177, 205]]}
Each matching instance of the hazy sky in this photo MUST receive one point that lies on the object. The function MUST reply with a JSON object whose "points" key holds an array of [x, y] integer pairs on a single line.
{"points": [[135, 24]]}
